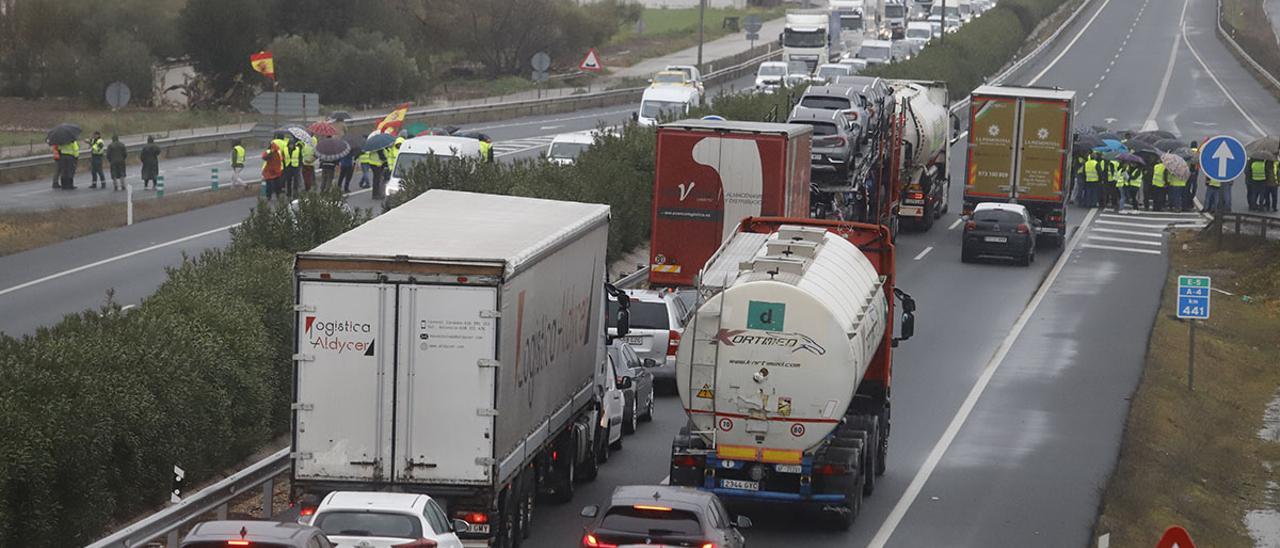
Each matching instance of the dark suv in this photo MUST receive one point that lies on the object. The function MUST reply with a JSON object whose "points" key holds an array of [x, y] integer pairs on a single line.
{"points": [[835, 142]]}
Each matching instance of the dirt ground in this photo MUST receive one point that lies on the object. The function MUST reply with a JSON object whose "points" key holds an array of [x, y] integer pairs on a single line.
{"points": [[1196, 458]]}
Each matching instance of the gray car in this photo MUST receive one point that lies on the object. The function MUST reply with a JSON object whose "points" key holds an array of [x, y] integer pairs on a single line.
{"points": [[839, 98], [638, 398], [663, 515], [875, 93], [221, 534], [657, 321], [834, 142]]}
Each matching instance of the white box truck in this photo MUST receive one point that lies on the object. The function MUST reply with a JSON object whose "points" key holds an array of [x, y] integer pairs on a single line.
{"points": [[454, 346]]}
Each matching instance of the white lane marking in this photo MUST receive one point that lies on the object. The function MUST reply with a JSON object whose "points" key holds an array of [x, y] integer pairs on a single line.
{"points": [[1152, 219], [962, 414], [545, 128], [955, 224], [923, 253], [94, 264], [1123, 240], [1231, 98], [1118, 248], [1168, 72], [1064, 51], [30, 192], [665, 480], [1157, 226], [1159, 235]]}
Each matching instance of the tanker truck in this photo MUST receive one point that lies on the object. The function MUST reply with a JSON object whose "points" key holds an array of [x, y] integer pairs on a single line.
{"points": [[784, 368], [925, 154]]}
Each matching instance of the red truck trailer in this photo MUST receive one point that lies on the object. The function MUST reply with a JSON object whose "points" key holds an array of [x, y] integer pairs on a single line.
{"points": [[709, 175]]}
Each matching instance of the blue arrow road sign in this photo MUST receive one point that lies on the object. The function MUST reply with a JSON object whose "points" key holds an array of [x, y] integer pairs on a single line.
{"points": [[1222, 158], [1193, 297]]}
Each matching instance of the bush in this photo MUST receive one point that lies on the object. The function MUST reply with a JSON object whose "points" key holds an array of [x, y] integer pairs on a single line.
{"points": [[361, 67], [96, 410], [122, 58]]}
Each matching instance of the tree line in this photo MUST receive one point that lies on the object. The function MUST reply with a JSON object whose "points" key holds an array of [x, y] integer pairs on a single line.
{"points": [[348, 52]]}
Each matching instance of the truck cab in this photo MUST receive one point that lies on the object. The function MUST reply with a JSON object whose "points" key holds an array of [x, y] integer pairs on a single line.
{"points": [[807, 37]]}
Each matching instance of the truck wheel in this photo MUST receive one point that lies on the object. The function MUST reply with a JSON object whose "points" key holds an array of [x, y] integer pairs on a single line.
{"points": [[603, 453], [564, 491], [882, 451], [871, 461], [591, 466]]}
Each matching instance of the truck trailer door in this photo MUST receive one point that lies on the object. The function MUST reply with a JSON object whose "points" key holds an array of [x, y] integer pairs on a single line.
{"points": [[445, 384], [992, 128], [342, 402], [1044, 149]]}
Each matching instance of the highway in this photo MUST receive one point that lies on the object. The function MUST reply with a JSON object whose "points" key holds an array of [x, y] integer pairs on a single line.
{"points": [[1009, 402]]}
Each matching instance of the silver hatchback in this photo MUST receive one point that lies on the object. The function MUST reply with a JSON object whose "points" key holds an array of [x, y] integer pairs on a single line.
{"points": [[657, 321]]}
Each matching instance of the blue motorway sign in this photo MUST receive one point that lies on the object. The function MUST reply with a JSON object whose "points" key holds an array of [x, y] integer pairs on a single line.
{"points": [[1193, 297], [1222, 158]]}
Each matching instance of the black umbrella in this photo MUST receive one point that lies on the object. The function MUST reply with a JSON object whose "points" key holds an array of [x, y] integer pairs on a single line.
{"points": [[1151, 157], [63, 134], [1168, 145], [378, 142], [332, 150], [1154, 135], [1137, 146], [340, 115]]}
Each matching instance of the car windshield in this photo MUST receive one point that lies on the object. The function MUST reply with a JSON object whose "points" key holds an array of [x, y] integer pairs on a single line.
{"points": [[920, 33], [368, 524], [824, 103], [894, 11], [627, 519], [997, 216], [406, 161], [821, 129], [804, 39], [644, 315], [874, 52], [655, 109], [851, 22], [688, 72], [772, 70], [831, 72], [565, 149], [669, 78], [797, 67], [952, 11]]}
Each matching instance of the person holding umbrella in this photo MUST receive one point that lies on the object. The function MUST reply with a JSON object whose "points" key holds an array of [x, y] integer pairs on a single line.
{"points": [[117, 155], [377, 146], [70, 154], [150, 162], [308, 167], [97, 149]]}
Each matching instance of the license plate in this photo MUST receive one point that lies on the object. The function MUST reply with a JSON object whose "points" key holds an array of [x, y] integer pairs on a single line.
{"points": [[740, 484], [482, 528], [817, 157], [634, 341], [996, 239], [788, 468], [911, 211]]}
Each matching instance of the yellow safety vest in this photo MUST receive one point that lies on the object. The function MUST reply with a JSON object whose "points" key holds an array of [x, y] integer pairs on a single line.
{"points": [[1122, 175], [294, 156], [308, 155], [99, 147], [374, 160], [1157, 176], [1091, 174], [237, 156], [1176, 181], [1257, 170], [71, 149], [364, 158]]}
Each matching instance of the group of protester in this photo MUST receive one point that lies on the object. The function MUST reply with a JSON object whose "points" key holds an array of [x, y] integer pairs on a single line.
{"points": [[288, 160], [66, 159]]}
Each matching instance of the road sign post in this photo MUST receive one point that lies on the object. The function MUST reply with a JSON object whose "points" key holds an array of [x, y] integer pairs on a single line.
{"points": [[1193, 304], [591, 63]]}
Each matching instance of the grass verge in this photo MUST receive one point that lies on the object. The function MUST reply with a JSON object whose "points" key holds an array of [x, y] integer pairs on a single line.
{"points": [[1249, 24], [23, 117], [671, 30], [21, 231], [1195, 458]]}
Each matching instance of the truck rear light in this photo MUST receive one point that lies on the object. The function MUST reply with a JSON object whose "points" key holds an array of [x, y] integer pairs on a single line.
{"points": [[970, 225], [474, 518], [709, 545], [420, 543], [830, 470], [590, 541], [1024, 229], [684, 460], [673, 342]]}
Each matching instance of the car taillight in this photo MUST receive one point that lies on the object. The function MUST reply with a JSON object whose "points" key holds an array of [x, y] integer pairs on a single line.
{"points": [[916, 195], [970, 225], [420, 543], [709, 545], [684, 460], [590, 541], [474, 518], [238, 543], [1024, 229], [841, 141], [673, 342]]}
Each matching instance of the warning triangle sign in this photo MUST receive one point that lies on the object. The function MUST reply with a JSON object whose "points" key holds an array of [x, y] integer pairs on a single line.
{"points": [[1175, 537], [706, 392], [591, 62]]}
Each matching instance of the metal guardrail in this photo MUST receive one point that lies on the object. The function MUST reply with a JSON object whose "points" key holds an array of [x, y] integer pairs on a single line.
{"points": [[1243, 54], [630, 281], [1245, 224], [213, 498]]}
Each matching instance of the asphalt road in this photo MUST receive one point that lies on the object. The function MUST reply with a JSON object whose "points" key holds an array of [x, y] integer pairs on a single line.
{"points": [[1010, 400]]}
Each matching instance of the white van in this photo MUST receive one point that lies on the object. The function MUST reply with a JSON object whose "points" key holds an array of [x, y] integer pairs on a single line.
{"points": [[660, 101], [417, 149], [566, 147]]}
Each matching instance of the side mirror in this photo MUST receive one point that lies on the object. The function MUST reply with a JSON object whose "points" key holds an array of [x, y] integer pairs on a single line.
{"points": [[908, 325], [589, 511], [625, 383], [742, 522], [649, 362], [460, 526]]}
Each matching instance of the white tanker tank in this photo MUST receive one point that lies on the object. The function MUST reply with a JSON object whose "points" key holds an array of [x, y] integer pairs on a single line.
{"points": [[926, 157], [790, 322]]}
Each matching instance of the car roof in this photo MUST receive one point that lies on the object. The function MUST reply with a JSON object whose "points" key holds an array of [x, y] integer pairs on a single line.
{"points": [[253, 530], [679, 73], [837, 90], [442, 144], [805, 114], [681, 67], [587, 137], [685, 498], [366, 500], [648, 295], [1001, 206], [669, 93], [879, 43], [773, 64]]}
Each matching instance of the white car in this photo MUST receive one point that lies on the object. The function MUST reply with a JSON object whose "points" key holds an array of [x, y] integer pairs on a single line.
{"points": [[876, 52], [695, 75], [663, 101], [919, 33], [418, 149], [370, 519], [831, 70], [770, 75], [858, 65], [566, 147], [614, 401], [657, 322]]}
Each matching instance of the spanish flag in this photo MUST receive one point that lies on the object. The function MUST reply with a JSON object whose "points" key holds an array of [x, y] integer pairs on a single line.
{"points": [[264, 63], [393, 121]]}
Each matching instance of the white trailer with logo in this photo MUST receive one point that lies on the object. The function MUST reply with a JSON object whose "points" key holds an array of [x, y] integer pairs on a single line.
{"points": [[454, 346]]}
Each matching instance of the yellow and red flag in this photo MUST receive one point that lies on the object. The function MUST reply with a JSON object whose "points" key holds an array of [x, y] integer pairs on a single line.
{"points": [[393, 121], [264, 63]]}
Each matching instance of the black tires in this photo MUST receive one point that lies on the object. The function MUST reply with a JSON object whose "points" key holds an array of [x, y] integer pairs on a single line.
{"points": [[648, 409], [629, 418]]}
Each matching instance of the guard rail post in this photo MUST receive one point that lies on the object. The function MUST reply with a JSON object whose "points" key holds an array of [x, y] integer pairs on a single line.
{"points": [[213, 179], [160, 186]]}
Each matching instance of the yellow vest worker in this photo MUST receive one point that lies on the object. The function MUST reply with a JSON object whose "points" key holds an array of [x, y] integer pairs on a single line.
{"points": [[237, 156], [1158, 177], [1091, 171], [1257, 171], [486, 151], [295, 155], [99, 147], [71, 149]]}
